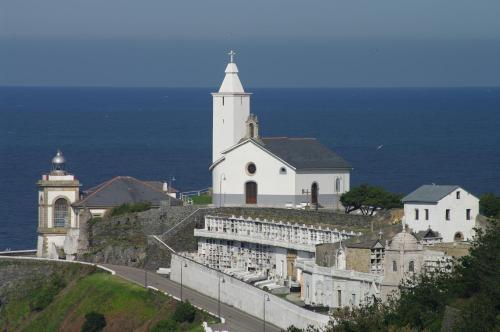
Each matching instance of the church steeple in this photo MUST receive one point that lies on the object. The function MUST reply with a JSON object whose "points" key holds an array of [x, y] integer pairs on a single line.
{"points": [[231, 109], [231, 83]]}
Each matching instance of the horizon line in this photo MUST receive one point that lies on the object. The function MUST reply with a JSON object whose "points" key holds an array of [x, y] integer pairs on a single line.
{"points": [[255, 87]]}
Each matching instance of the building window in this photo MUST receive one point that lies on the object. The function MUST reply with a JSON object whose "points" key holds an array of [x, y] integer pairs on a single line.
{"points": [[337, 185], [61, 214], [394, 266], [251, 168], [426, 214], [282, 170], [222, 101], [458, 194], [447, 214], [353, 299], [467, 214], [339, 298], [411, 266], [416, 214]]}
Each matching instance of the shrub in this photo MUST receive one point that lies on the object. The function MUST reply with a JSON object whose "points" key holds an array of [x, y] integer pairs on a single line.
{"points": [[167, 325], [184, 312], [94, 322], [489, 205], [130, 208], [202, 199]]}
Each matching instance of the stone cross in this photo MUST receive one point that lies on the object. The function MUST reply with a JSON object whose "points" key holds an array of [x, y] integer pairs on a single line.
{"points": [[231, 55]]}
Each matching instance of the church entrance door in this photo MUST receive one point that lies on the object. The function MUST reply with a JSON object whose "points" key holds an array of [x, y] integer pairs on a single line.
{"points": [[251, 192], [314, 194]]}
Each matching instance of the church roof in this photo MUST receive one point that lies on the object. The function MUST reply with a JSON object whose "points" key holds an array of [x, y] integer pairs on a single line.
{"points": [[304, 153], [121, 190], [429, 193], [231, 83]]}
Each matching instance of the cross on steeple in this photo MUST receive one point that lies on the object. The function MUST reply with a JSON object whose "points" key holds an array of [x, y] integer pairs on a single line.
{"points": [[231, 56]]}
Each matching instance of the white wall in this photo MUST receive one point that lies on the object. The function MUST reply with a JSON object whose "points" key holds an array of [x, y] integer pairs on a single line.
{"points": [[268, 178], [325, 282], [228, 121], [243, 296], [437, 215], [325, 179], [273, 187]]}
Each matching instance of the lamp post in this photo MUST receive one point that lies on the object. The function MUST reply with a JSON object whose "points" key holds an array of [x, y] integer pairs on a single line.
{"points": [[183, 264], [266, 299], [218, 304], [222, 178]]}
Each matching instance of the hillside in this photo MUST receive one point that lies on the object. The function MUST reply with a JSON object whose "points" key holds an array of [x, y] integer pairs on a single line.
{"points": [[59, 300]]}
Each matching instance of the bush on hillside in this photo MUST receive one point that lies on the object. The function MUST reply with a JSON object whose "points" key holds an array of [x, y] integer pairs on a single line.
{"points": [[184, 312], [489, 205], [94, 322], [202, 199], [130, 208], [368, 199], [167, 325]]}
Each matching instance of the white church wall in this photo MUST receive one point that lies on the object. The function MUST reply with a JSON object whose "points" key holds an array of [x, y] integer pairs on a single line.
{"points": [[230, 111], [327, 194], [437, 215], [273, 188]]}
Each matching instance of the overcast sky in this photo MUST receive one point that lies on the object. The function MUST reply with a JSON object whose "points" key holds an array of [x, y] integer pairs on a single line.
{"points": [[278, 43]]}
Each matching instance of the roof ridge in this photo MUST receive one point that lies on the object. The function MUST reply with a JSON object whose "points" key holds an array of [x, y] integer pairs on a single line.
{"points": [[148, 185], [291, 138]]}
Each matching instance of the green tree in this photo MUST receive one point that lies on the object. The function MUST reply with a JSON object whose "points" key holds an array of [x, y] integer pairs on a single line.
{"points": [[167, 325], [184, 312], [94, 322], [368, 199], [489, 205]]}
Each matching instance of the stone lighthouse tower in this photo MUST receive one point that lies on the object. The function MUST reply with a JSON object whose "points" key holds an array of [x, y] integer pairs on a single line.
{"points": [[57, 191]]}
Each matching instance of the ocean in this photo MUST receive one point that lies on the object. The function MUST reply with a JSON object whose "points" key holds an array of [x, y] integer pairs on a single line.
{"points": [[395, 138]]}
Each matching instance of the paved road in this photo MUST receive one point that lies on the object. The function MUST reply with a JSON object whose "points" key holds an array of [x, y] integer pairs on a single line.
{"points": [[236, 320]]}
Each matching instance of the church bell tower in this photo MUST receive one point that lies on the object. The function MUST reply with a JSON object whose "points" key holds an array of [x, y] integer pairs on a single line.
{"points": [[231, 109]]}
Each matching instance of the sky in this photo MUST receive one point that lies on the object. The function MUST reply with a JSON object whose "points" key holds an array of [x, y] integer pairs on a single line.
{"points": [[327, 43]]}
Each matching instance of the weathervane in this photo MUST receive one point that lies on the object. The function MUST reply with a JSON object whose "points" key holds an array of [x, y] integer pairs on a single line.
{"points": [[231, 56]]}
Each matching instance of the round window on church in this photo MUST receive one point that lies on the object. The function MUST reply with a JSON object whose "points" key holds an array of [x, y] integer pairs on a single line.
{"points": [[251, 168]]}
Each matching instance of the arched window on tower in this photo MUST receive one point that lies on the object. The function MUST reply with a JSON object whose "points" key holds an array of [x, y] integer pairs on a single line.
{"points": [[61, 212], [251, 129]]}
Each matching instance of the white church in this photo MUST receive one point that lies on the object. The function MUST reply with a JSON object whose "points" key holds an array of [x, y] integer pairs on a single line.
{"points": [[248, 169]]}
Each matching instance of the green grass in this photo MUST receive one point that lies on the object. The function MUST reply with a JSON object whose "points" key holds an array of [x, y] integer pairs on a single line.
{"points": [[202, 199], [126, 306]]}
